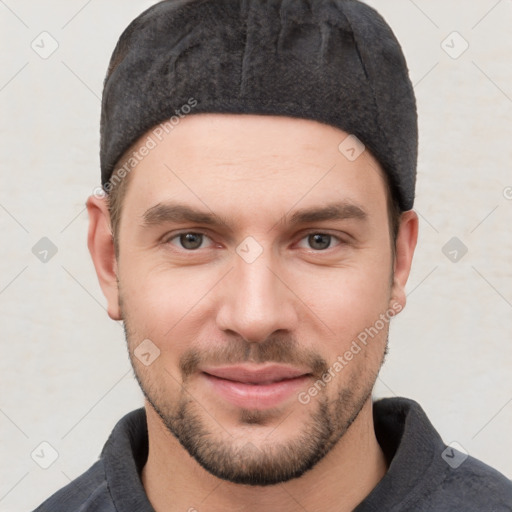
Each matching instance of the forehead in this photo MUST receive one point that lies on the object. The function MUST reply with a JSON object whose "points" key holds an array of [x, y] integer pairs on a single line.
{"points": [[252, 161]]}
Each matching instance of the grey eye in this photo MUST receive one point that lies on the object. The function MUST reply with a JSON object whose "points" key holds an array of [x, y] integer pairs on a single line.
{"points": [[319, 241], [191, 240]]}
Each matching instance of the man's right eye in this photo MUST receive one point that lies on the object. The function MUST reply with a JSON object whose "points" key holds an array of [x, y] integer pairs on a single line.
{"points": [[189, 240]]}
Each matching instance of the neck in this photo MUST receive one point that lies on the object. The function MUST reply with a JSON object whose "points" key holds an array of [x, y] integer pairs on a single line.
{"points": [[174, 481]]}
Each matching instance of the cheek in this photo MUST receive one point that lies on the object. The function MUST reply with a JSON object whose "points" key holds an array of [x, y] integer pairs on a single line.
{"points": [[161, 303], [347, 301], [356, 288]]}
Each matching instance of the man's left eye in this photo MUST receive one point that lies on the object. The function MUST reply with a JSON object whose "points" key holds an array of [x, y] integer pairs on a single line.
{"points": [[320, 241]]}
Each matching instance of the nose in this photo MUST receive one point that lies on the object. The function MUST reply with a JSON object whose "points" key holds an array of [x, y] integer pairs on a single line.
{"points": [[256, 300]]}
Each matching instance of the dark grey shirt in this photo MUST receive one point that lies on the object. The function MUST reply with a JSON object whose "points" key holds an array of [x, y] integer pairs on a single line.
{"points": [[424, 474]]}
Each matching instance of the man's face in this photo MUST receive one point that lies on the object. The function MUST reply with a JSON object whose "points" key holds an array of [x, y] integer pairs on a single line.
{"points": [[287, 262]]}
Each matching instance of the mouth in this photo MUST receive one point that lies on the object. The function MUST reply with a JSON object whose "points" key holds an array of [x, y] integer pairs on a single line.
{"points": [[255, 374], [255, 387]]}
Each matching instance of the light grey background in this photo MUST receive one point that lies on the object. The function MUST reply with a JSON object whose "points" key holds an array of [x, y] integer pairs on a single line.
{"points": [[65, 374]]}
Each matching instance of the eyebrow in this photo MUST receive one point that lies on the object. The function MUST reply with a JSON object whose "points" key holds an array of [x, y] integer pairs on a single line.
{"points": [[335, 211], [169, 212]]}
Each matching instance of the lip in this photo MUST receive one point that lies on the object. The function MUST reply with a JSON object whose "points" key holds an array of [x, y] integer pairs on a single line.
{"points": [[255, 374], [255, 387]]}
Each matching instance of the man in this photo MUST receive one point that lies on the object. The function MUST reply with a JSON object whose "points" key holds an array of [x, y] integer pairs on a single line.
{"points": [[256, 237]]}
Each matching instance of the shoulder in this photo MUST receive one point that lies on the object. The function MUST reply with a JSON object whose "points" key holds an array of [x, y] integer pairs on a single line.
{"points": [[424, 473], [113, 482], [89, 492], [472, 486]]}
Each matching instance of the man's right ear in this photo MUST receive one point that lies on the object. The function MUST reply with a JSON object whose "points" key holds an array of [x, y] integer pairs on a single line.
{"points": [[101, 247]]}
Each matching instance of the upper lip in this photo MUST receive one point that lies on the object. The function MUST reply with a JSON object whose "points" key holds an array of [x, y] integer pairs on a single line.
{"points": [[255, 374]]}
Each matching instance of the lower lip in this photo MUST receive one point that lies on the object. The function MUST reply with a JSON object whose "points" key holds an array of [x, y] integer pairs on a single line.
{"points": [[256, 396]]}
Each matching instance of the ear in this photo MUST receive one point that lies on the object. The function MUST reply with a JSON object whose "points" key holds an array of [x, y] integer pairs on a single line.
{"points": [[101, 247], [405, 245]]}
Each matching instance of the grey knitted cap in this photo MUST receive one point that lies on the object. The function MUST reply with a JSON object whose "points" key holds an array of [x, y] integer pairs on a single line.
{"points": [[332, 61]]}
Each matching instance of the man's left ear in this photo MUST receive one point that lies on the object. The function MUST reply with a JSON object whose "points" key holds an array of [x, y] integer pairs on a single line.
{"points": [[405, 245]]}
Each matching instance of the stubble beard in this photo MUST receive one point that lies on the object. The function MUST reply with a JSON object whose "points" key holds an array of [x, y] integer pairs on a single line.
{"points": [[242, 462]]}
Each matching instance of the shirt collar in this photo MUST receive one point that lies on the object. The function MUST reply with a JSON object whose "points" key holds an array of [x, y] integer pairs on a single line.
{"points": [[406, 436]]}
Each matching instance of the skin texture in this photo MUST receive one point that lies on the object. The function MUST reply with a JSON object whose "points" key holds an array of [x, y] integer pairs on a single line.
{"points": [[297, 303]]}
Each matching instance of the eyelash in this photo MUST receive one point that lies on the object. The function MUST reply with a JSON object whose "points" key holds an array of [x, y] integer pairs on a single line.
{"points": [[340, 241]]}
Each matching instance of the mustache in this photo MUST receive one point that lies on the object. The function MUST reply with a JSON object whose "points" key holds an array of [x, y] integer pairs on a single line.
{"points": [[277, 349]]}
